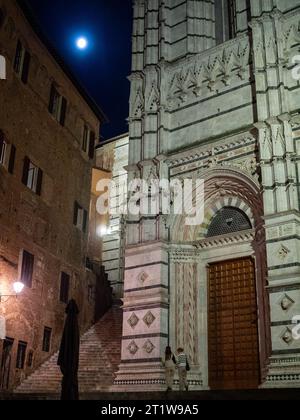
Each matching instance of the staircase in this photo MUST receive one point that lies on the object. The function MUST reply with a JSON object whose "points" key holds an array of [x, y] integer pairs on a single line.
{"points": [[100, 355]]}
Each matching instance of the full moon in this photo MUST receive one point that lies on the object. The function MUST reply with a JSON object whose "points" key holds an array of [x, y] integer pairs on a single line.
{"points": [[82, 43]]}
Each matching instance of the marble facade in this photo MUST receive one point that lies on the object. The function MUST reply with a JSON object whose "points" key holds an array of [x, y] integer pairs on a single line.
{"points": [[229, 114]]}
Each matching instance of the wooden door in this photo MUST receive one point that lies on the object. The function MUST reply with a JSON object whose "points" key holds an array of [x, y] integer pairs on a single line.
{"points": [[233, 349]]}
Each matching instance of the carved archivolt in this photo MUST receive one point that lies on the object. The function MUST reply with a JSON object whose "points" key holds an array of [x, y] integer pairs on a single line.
{"points": [[219, 186]]}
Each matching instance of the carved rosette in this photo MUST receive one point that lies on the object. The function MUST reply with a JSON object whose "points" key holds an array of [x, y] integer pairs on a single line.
{"points": [[133, 348]]}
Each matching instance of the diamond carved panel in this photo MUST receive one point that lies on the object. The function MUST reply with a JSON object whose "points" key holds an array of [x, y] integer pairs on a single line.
{"points": [[149, 346], [133, 348], [149, 318], [283, 253], [287, 336], [286, 302], [133, 320]]}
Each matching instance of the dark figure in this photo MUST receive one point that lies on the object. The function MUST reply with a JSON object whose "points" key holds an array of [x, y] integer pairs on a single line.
{"points": [[169, 364], [68, 358], [183, 367]]}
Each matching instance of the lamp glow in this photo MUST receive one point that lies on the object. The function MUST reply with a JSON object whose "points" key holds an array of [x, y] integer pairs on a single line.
{"points": [[103, 230], [18, 287], [82, 43]]}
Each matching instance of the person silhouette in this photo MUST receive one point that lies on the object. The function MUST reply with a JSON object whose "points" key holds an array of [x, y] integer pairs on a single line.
{"points": [[182, 363], [169, 363]]}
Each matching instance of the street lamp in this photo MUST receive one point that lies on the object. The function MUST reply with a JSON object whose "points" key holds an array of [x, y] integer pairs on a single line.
{"points": [[18, 288]]}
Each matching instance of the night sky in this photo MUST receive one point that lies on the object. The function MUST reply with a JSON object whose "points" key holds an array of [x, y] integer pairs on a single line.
{"points": [[103, 68]]}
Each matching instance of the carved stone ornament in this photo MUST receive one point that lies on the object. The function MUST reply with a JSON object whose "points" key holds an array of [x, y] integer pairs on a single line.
{"points": [[142, 277], [286, 303], [133, 348], [149, 318], [149, 347], [283, 252], [287, 336], [133, 320]]}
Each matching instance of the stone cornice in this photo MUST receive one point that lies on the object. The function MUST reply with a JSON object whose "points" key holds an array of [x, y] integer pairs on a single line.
{"points": [[195, 154], [225, 240]]}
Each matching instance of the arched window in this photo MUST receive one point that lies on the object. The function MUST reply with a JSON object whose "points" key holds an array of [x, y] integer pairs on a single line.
{"points": [[228, 220], [225, 20]]}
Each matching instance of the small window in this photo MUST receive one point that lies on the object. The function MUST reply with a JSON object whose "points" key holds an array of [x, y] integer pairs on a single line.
{"points": [[80, 217], [57, 105], [7, 153], [88, 141], [22, 346], [27, 268], [47, 339], [32, 176], [64, 287], [22, 62], [85, 140]]}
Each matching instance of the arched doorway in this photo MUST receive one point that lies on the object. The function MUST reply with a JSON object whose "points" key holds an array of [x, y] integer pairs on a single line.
{"points": [[233, 348], [230, 240]]}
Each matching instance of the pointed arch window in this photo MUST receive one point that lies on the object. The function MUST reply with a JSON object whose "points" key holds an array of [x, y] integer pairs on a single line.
{"points": [[228, 220]]}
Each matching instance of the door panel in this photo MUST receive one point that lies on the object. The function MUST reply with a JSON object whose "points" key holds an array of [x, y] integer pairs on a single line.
{"points": [[233, 349]]}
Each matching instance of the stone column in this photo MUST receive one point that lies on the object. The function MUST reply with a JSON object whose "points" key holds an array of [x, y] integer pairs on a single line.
{"points": [[278, 158], [187, 310], [145, 321]]}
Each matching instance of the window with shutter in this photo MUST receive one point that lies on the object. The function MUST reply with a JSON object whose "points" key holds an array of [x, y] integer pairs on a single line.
{"points": [[92, 145], [22, 62], [12, 159], [27, 268], [18, 57], [25, 170], [32, 176], [7, 153], [80, 217], [85, 139], [85, 217], [58, 105], [63, 111], [26, 65], [52, 99], [39, 182], [64, 287], [22, 346], [3, 148], [47, 339]]}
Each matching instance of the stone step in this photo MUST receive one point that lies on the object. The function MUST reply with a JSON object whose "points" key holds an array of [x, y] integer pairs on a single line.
{"points": [[100, 355]]}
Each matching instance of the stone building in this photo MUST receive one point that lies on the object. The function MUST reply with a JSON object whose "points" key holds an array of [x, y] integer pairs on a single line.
{"points": [[213, 97], [48, 130], [112, 158]]}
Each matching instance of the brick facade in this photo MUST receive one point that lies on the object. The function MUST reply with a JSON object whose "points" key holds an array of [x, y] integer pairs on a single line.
{"points": [[41, 223]]}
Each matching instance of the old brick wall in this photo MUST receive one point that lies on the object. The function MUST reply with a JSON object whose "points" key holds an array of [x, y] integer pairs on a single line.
{"points": [[42, 225]]}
